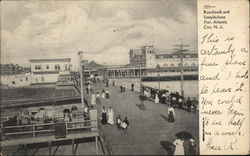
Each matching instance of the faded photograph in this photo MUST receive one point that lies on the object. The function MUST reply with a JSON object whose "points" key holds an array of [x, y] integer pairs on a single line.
{"points": [[99, 77]]}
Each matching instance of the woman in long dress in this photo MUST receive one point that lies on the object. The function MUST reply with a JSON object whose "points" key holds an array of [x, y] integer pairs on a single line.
{"points": [[103, 94], [156, 98], [171, 114], [179, 149], [110, 116], [93, 99], [98, 98], [104, 116]]}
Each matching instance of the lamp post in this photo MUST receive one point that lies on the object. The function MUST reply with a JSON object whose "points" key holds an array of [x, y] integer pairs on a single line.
{"points": [[81, 77], [158, 68]]}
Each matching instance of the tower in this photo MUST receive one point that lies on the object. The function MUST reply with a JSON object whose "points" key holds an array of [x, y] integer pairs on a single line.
{"points": [[149, 53]]}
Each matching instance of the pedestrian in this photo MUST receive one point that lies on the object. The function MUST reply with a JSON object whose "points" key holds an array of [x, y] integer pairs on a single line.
{"points": [[180, 101], [157, 97], [121, 88], [110, 116], [132, 87], [119, 121], [179, 149], [124, 89], [93, 98], [87, 90], [103, 94], [107, 94], [125, 124], [98, 98], [104, 116], [164, 97], [192, 147], [173, 101], [171, 114], [189, 104], [194, 103], [89, 87]]}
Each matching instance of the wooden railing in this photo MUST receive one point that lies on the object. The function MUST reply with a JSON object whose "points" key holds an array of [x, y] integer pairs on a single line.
{"points": [[36, 129]]}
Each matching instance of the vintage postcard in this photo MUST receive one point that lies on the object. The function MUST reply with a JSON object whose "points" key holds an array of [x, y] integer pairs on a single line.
{"points": [[124, 77]]}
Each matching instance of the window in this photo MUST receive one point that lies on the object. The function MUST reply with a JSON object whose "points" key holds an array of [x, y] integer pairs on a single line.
{"points": [[47, 66], [172, 65], [66, 66], [37, 67], [186, 64], [57, 67], [27, 79], [193, 64], [165, 65], [42, 78]]}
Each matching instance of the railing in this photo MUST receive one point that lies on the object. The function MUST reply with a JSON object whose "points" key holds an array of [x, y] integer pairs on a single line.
{"points": [[36, 129]]}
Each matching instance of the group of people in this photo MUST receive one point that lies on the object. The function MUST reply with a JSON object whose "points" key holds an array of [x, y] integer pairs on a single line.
{"points": [[122, 124], [185, 147], [107, 116], [96, 97], [174, 98], [122, 89]]}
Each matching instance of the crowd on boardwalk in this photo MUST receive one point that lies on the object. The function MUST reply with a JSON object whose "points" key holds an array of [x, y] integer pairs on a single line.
{"points": [[183, 145], [107, 114], [173, 99]]}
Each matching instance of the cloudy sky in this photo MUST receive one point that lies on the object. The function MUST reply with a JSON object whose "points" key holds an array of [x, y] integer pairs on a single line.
{"points": [[104, 30]]}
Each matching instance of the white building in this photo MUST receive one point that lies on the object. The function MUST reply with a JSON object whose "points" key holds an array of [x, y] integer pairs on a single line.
{"points": [[47, 70], [16, 80], [149, 57]]}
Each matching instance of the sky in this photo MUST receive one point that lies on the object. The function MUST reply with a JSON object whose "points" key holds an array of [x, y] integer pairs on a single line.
{"points": [[103, 30]]}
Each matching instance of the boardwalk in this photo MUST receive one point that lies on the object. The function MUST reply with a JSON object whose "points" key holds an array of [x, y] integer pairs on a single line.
{"points": [[147, 127]]}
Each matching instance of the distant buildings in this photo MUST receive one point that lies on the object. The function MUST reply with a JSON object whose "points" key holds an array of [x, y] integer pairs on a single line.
{"points": [[48, 70], [92, 69], [148, 57], [143, 62], [42, 71], [12, 69]]}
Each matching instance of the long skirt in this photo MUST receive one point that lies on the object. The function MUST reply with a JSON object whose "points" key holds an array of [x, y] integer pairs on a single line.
{"points": [[156, 99], [103, 95], [171, 117], [111, 118], [104, 118], [179, 150], [93, 101], [98, 100]]}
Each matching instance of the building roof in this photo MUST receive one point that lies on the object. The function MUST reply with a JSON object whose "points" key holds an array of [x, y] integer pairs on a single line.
{"points": [[175, 55], [50, 60], [92, 65], [173, 68]]}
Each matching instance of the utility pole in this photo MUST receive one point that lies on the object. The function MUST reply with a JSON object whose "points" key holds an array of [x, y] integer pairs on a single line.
{"points": [[140, 57], [180, 51], [81, 77], [158, 68]]}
